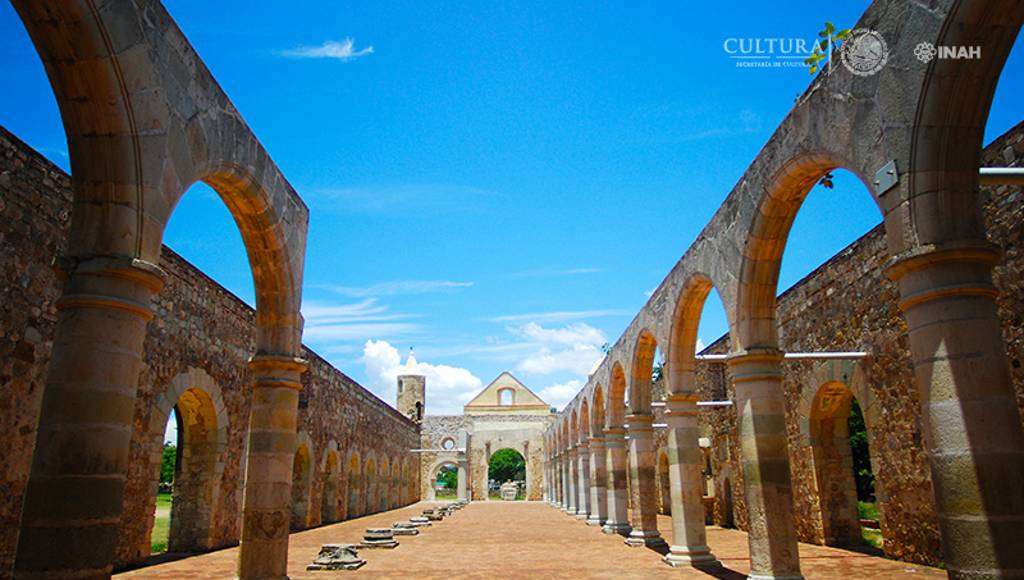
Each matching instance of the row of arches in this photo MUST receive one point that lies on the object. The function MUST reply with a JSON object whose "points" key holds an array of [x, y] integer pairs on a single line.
{"points": [[940, 262]]}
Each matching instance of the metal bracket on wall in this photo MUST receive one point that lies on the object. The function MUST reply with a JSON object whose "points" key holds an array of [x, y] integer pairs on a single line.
{"points": [[886, 178]]}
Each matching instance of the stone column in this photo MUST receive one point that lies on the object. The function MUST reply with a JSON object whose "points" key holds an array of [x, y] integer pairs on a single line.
{"points": [[973, 432], [462, 485], [560, 474], [686, 485], [555, 482], [266, 508], [761, 411], [571, 477], [641, 467], [618, 514], [598, 490], [72, 505], [583, 481]]}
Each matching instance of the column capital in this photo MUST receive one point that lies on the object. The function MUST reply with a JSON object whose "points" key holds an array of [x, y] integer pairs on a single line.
{"points": [[640, 424], [274, 370], [111, 282], [756, 364], [613, 433], [596, 442], [950, 270], [922, 257]]}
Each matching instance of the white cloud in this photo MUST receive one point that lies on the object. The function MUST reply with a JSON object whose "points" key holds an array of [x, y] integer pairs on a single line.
{"points": [[343, 50], [560, 394], [448, 387], [326, 322], [573, 348], [558, 316], [396, 287]]}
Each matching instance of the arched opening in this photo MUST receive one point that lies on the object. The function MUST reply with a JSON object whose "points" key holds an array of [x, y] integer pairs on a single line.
{"points": [[188, 442], [616, 397], [370, 486], [329, 487], [355, 479], [642, 373], [506, 397], [446, 481], [301, 479], [728, 516], [597, 410], [664, 495], [842, 466], [505, 466], [383, 486]]}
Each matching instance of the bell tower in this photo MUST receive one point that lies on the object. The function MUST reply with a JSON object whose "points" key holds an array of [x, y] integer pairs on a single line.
{"points": [[412, 391]]}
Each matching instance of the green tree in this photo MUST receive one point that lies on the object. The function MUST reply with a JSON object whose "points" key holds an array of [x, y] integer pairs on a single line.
{"points": [[507, 464], [861, 458], [170, 458], [448, 477]]}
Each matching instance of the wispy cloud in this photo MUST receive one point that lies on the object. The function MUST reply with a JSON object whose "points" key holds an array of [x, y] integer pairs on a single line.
{"points": [[327, 324], [551, 272], [339, 50], [395, 287], [558, 316]]}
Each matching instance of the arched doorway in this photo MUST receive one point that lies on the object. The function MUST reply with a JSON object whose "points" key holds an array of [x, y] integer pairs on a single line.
{"points": [[188, 442], [329, 488], [664, 495], [355, 478], [445, 482], [383, 486], [506, 465], [301, 468], [834, 411], [370, 486]]}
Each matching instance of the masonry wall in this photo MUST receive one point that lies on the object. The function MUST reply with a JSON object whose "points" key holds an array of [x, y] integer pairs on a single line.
{"points": [[847, 304], [435, 429], [199, 330]]}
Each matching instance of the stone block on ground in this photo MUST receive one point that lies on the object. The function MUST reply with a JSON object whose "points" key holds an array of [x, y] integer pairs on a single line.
{"points": [[336, 557]]}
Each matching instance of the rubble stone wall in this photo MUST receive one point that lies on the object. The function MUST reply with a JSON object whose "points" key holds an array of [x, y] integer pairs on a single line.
{"points": [[199, 328]]}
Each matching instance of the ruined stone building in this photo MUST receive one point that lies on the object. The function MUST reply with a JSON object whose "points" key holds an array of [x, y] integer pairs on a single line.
{"points": [[504, 415], [103, 331]]}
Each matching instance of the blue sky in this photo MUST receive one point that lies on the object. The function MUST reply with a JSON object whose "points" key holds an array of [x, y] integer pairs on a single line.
{"points": [[499, 185]]}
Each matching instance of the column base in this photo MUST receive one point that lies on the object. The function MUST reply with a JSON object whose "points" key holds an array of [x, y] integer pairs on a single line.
{"points": [[616, 528], [593, 520], [695, 557], [649, 539], [581, 515]]}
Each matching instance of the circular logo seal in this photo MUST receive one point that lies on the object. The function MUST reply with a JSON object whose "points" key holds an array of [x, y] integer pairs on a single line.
{"points": [[864, 52], [925, 51]]}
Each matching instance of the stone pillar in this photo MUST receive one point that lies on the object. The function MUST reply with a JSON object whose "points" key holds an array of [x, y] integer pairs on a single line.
{"points": [[641, 467], [462, 486], [686, 484], [973, 432], [72, 505], [618, 514], [583, 481], [761, 411], [266, 508], [598, 475], [571, 477], [560, 474]]}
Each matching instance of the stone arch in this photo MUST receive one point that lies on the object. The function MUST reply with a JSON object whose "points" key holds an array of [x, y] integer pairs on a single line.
{"points": [[614, 417], [664, 495], [506, 396], [202, 427], [640, 373], [683, 341], [383, 484], [130, 90], [330, 467], [518, 452], [765, 243], [354, 490], [302, 480], [370, 484], [584, 419], [435, 471], [574, 428], [598, 410]]}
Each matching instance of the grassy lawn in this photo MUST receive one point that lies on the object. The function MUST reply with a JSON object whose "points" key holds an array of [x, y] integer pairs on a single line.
{"points": [[869, 511], [445, 494], [162, 525]]}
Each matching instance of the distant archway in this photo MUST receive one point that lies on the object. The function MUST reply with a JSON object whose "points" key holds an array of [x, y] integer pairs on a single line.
{"points": [[329, 493], [370, 486], [302, 467], [728, 515], [445, 481], [507, 465], [664, 494], [355, 478]]}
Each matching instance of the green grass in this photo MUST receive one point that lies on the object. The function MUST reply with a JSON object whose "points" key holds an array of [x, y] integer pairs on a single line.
{"points": [[445, 494], [162, 524], [869, 511]]}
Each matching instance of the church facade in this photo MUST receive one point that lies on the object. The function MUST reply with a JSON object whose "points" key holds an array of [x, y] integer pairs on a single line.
{"points": [[504, 415]]}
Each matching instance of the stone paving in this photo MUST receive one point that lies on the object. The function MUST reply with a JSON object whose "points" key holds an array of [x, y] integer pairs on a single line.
{"points": [[524, 540]]}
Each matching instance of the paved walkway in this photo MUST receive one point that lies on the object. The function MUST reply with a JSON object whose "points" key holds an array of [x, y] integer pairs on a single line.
{"points": [[525, 540]]}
